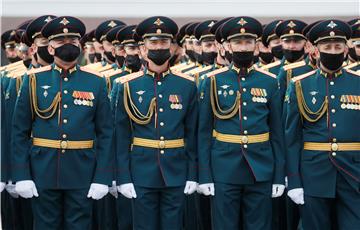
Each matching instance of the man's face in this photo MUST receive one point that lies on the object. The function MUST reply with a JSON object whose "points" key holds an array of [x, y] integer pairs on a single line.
{"points": [[293, 44], [189, 44], [119, 50], [208, 46], [263, 48], [157, 44], [131, 50], [357, 49], [23, 51], [39, 42], [11, 52], [274, 42], [108, 47], [242, 45], [197, 46], [332, 47], [98, 47]]}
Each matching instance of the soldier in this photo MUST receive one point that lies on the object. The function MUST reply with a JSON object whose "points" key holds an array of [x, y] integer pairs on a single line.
{"points": [[244, 166], [61, 109], [354, 48], [322, 141], [8, 43], [155, 126]]}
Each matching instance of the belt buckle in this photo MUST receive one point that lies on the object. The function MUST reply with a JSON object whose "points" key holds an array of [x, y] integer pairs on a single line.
{"points": [[334, 147], [244, 139], [63, 144], [161, 144]]}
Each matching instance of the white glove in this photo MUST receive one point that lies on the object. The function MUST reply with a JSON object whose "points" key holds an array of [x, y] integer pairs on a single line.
{"points": [[207, 189], [2, 186], [277, 190], [113, 189], [297, 195], [97, 191], [10, 188], [128, 190], [190, 187], [26, 189]]}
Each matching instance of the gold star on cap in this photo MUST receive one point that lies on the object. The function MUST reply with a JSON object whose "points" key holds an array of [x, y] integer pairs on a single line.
{"points": [[64, 22], [158, 22], [112, 24], [211, 24], [242, 22], [291, 24], [48, 19], [12, 33], [332, 25]]}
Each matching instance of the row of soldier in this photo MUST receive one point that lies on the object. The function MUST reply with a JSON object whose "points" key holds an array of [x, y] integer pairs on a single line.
{"points": [[225, 124]]}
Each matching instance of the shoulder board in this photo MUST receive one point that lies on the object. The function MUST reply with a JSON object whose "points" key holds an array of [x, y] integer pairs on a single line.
{"points": [[88, 70], [265, 72], [302, 76], [217, 71], [112, 73], [178, 65], [182, 75], [185, 67], [129, 77], [206, 68], [193, 71], [357, 73], [273, 64], [294, 65], [93, 65], [352, 65], [105, 68], [39, 70]]}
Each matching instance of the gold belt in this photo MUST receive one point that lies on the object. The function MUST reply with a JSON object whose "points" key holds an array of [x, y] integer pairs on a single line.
{"points": [[241, 139], [316, 146], [59, 144], [158, 144]]}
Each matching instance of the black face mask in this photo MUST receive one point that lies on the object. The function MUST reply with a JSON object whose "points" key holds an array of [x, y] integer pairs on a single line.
{"points": [[191, 55], [173, 59], [160, 56], [67, 52], [332, 62], [109, 56], [92, 58], [243, 59], [15, 59], [208, 57], [293, 55], [352, 54], [98, 56], [133, 62], [27, 63], [43, 53], [228, 56], [198, 58], [266, 57], [120, 60], [277, 51]]}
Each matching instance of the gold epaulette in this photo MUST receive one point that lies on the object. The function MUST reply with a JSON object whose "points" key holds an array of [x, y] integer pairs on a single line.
{"points": [[178, 66], [203, 69], [185, 67], [39, 70], [182, 75], [302, 76], [213, 73], [352, 65], [85, 69], [294, 65], [105, 68], [273, 64], [265, 72], [357, 73], [11, 65], [113, 73], [129, 77], [94, 65]]}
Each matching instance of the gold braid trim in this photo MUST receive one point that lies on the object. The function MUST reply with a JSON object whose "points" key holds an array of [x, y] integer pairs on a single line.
{"points": [[108, 84], [304, 109], [137, 117], [222, 114], [18, 83], [33, 97], [288, 76]]}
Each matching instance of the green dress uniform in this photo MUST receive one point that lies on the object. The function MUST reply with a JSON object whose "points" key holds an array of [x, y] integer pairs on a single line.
{"points": [[240, 108], [323, 144], [155, 129], [62, 112]]}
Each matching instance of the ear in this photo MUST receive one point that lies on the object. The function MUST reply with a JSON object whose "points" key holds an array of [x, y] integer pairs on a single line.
{"points": [[51, 50], [316, 53], [346, 51], [113, 51]]}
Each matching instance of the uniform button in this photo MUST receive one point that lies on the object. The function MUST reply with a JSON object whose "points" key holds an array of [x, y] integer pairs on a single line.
{"points": [[332, 83], [65, 106], [162, 138], [65, 91], [63, 151], [333, 110], [161, 123], [65, 121], [332, 96], [64, 136], [244, 103], [244, 89], [245, 146], [161, 110], [334, 154], [159, 83], [245, 132], [162, 151], [243, 79], [334, 140], [334, 125], [160, 95], [245, 118], [66, 79]]}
